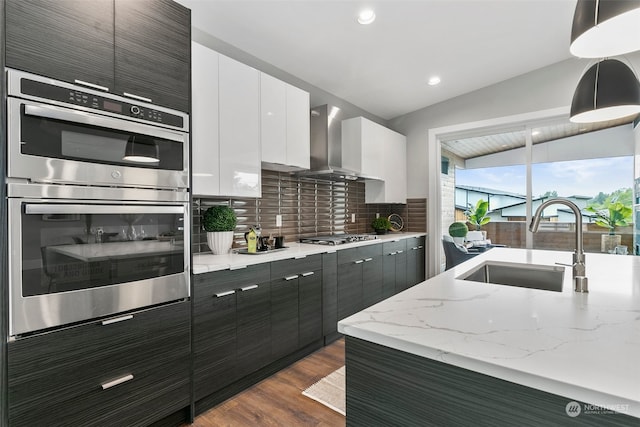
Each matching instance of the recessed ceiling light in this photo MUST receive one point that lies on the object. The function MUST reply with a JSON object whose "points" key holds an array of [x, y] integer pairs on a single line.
{"points": [[366, 17], [434, 80]]}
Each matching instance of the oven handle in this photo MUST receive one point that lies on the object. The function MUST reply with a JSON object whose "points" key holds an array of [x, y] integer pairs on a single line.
{"points": [[86, 118], [40, 209]]}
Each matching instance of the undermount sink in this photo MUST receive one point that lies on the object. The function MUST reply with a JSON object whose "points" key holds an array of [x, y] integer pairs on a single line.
{"points": [[534, 276]]}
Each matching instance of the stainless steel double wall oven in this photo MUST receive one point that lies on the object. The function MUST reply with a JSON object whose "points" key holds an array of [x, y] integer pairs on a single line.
{"points": [[98, 213]]}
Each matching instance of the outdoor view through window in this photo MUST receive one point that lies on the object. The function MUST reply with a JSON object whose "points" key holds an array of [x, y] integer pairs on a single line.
{"points": [[602, 188]]}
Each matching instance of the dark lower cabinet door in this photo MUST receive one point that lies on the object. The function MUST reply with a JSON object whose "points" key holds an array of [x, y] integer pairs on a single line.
{"points": [[349, 289], [284, 317], [62, 39], [389, 275], [254, 328], [310, 307], [214, 343], [401, 271], [330, 293], [372, 281], [153, 51]]}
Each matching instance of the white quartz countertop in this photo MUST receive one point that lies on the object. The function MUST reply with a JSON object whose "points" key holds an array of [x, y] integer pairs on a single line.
{"points": [[582, 346], [203, 263]]}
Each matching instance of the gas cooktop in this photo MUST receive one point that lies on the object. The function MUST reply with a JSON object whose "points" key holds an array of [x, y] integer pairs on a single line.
{"points": [[337, 239]]}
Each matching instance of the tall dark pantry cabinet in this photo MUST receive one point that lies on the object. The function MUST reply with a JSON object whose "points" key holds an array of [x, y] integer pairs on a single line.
{"points": [[139, 49]]}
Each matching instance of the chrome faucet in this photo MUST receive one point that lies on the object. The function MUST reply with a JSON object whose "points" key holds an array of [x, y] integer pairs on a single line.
{"points": [[579, 268]]}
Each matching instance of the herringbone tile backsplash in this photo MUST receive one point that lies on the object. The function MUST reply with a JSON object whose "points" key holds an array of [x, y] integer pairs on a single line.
{"points": [[309, 207]]}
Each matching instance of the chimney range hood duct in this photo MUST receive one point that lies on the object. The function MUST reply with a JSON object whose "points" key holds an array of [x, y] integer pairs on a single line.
{"points": [[326, 147]]}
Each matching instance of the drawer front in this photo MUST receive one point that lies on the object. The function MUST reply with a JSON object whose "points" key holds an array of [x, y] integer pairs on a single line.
{"points": [[390, 247], [63, 369], [370, 251], [207, 285], [289, 267], [346, 256]]}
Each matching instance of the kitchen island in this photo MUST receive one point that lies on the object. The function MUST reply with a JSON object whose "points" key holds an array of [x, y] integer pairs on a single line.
{"points": [[458, 352]]}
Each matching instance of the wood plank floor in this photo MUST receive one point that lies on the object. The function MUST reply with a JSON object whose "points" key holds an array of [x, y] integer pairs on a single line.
{"points": [[278, 400]]}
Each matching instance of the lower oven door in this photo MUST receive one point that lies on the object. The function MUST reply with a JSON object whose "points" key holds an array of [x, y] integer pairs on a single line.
{"points": [[76, 260]]}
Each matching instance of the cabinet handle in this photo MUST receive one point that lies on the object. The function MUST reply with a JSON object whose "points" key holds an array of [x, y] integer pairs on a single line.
{"points": [[368, 259], [420, 247], [91, 85], [400, 252], [117, 319], [291, 277], [393, 253], [248, 288], [309, 273], [224, 294], [360, 261], [414, 249], [138, 97], [237, 267], [299, 256], [117, 382]]}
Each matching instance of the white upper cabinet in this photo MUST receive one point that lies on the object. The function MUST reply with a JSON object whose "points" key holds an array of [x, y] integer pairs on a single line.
{"points": [[225, 127], [240, 152], [273, 103], [284, 125], [298, 128], [379, 153], [205, 143]]}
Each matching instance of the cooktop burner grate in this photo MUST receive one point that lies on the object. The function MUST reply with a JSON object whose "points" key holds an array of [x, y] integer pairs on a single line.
{"points": [[337, 239]]}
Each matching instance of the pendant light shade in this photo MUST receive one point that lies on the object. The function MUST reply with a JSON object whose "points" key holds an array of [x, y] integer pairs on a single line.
{"points": [[603, 28], [141, 150], [608, 90]]}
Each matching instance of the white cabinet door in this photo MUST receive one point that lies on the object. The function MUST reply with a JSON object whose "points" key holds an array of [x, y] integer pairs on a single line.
{"points": [[376, 152], [273, 123], [204, 125], [395, 176], [240, 151], [298, 127]]}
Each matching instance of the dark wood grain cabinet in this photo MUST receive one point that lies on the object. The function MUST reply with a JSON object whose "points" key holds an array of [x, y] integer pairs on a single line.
{"points": [[140, 48], [416, 257], [395, 267], [359, 278], [130, 370], [231, 319], [329, 293], [296, 304]]}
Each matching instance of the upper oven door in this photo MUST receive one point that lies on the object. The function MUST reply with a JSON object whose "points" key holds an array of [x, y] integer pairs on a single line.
{"points": [[52, 143]]}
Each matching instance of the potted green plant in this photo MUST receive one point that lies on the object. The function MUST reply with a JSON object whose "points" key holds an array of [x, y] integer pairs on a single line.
{"points": [[219, 222], [458, 231], [477, 216], [381, 225], [610, 216]]}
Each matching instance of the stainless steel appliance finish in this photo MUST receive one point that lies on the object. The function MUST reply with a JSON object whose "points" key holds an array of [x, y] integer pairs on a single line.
{"points": [[326, 147], [75, 259], [338, 239], [62, 133]]}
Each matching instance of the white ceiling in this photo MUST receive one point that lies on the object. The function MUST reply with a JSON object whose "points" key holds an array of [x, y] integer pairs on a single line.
{"points": [[383, 67]]}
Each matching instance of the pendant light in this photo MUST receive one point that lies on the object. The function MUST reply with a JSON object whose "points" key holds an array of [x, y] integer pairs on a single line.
{"points": [[604, 28], [141, 149], [608, 90]]}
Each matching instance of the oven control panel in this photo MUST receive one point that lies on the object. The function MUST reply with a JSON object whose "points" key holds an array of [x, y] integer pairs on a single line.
{"points": [[97, 102]]}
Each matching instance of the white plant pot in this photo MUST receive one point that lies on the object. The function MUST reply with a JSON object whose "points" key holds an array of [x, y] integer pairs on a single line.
{"points": [[475, 235], [220, 241]]}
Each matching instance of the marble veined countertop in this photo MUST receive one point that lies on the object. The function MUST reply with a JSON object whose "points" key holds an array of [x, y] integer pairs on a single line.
{"points": [[582, 346], [206, 262]]}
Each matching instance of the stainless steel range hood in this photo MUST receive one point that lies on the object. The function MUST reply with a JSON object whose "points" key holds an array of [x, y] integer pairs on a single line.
{"points": [[326, 147]]}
